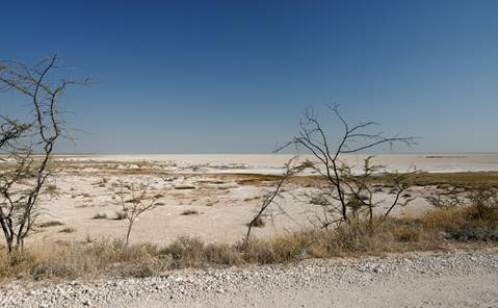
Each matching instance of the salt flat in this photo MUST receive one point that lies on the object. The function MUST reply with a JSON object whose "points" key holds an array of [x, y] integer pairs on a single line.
{"points": [[268, 163]]}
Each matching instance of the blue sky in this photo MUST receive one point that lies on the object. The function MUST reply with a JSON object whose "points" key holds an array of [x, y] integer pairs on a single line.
{"points": [[234, 76]]}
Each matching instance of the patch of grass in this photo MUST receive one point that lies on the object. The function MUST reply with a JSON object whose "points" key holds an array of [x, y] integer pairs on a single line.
{"points": [[446, 219], [48, 224], [184, 187], [77, 260], [186, 252], [456, 179], [67, 230], [100, 216], [461, 217], [223, 254], [407, 233], [319, 200], [255, 179], [258, 223], [51, 189], [120, 215]]}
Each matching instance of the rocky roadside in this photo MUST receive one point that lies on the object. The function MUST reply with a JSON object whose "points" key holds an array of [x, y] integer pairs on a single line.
{"points": [[428, 280]]}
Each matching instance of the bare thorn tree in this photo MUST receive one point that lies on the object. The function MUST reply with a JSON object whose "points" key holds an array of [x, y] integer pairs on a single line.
{"points": [[269, 198], [135, 202], [27, 145], [350, 191]]}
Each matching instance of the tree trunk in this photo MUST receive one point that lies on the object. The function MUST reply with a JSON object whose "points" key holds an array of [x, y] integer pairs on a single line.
{"points": [[9, 244], [128, 233]]}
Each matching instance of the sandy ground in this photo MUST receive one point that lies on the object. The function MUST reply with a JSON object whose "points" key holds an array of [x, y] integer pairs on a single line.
{"points": [[222, 209], [212, 186]]}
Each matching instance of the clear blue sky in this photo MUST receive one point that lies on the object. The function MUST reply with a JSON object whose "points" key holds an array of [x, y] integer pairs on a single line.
{"points": [[234, 76]]}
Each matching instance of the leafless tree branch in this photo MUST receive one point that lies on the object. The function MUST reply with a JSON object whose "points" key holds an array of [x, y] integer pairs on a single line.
{"points": [[27, 146]]}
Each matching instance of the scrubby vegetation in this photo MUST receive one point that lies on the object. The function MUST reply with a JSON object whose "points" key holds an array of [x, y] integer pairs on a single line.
{"points": [[100, 216], [52, 223], [455, 179], [438, 229], [190, 212]]}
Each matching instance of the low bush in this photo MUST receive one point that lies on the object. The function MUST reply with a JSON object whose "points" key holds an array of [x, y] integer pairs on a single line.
{"points": [[258, 222], [67, 230], [49, 224], [189, 212], [120, 215], [100, 215]]}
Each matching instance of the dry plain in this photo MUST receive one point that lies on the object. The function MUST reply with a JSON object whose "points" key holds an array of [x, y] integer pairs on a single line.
{"points": [[211, 197]]}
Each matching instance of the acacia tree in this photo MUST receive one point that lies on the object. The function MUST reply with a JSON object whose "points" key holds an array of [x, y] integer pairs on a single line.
{"points": [[135, 205], [27, 145], [352, 193]]}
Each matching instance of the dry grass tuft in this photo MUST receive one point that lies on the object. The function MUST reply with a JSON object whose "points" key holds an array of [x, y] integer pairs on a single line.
{"points": [[48, 224], [190, 212], [258, 223], [52, 190], [100, 216], [186, 252], [120, 215], [67, 230]]}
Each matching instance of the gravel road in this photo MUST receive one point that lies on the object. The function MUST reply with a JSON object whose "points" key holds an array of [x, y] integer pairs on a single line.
{"points": [[416, 280]]}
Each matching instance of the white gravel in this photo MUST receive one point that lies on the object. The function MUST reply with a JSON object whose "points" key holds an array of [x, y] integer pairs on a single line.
{"points": [[460, 279]]}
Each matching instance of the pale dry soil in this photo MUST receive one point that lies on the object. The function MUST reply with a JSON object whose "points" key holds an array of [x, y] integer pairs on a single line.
{"points": [[457, 279], [221, 207]]}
